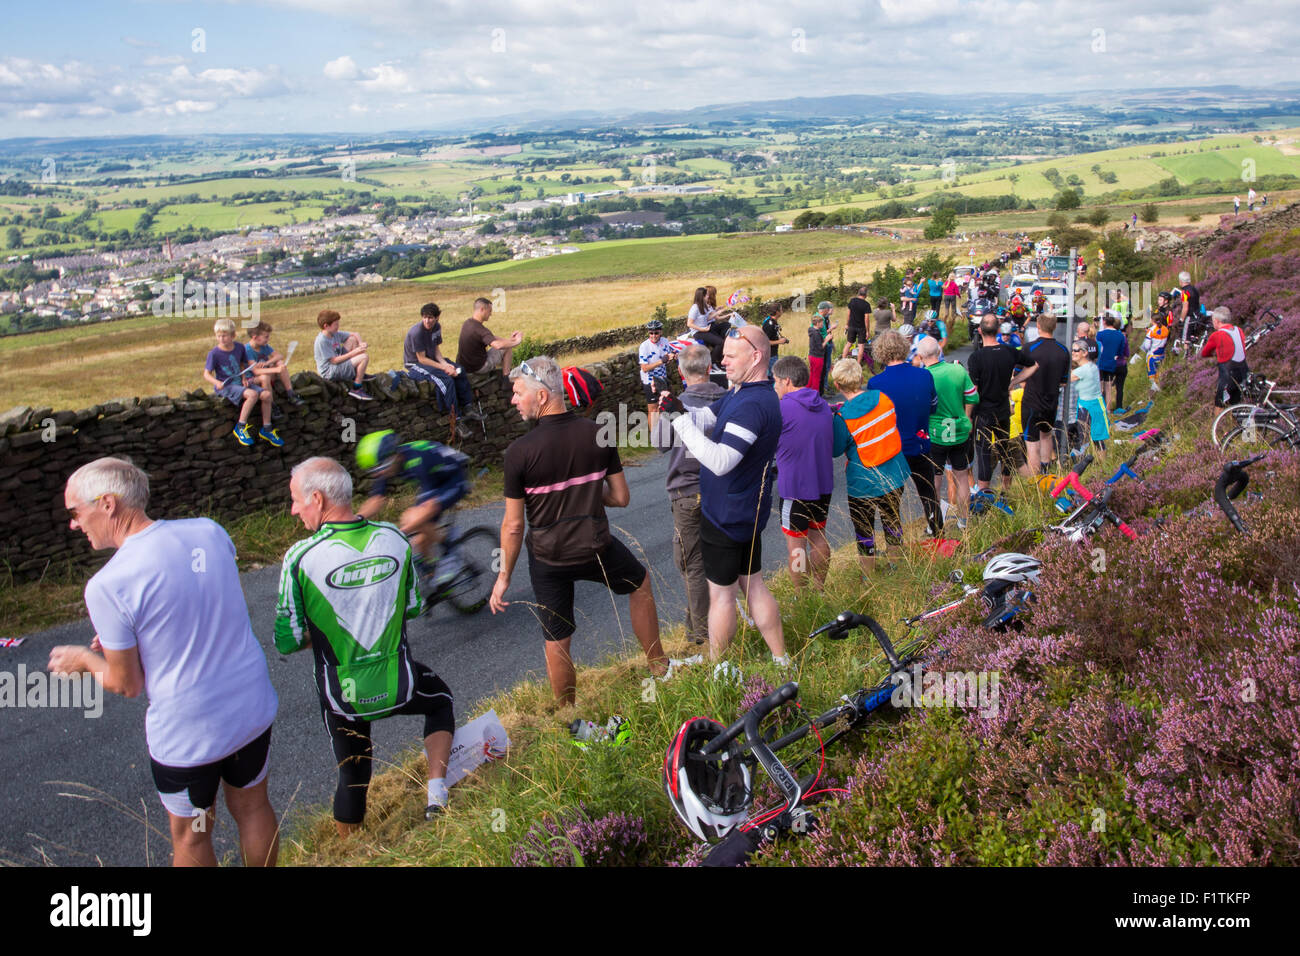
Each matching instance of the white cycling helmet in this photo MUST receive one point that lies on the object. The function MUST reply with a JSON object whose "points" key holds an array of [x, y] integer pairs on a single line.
{"points": [[1013, 566], [711, 795], [907, 331]]}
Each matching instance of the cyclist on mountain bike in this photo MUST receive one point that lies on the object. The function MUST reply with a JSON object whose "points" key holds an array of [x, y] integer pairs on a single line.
{"points": [[436, 470]]}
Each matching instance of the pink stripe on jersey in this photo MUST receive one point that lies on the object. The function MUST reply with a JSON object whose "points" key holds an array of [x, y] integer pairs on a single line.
{"points": [[560, 486]]}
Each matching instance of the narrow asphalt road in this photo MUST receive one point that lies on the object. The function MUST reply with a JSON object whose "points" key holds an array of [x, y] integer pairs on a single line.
{"points": [[78, 791]]}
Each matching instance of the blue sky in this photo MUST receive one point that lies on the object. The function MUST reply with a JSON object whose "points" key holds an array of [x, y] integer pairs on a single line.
{"points": [[83, 68]]}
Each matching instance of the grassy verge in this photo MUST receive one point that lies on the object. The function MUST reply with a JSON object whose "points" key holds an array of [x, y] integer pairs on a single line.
{"points": [[545, 778]]}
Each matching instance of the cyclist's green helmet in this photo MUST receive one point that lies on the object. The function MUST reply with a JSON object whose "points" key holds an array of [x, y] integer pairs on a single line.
{"points": [[376, 450]]}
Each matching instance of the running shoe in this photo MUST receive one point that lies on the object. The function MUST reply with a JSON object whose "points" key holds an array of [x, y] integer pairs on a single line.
{"points": [[297, 399], [360, 395], [270, 435], [244, 434]]}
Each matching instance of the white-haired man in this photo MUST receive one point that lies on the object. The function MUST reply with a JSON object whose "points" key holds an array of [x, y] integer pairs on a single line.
{"points": [[1228, 348], [170, 620], [347, 592], [736, 488], [561, 478]]}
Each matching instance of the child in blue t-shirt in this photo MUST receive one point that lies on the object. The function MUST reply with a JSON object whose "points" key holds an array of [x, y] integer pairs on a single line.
{"points": [[229, 369], [275, 364]]}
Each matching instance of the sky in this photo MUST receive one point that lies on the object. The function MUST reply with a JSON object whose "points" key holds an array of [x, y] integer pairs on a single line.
{"points": [[229, 66]]}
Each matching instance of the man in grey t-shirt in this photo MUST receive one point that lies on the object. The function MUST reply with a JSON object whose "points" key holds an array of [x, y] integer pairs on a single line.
{"points": [[170, 620]]}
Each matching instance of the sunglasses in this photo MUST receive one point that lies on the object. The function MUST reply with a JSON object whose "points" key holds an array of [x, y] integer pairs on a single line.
{"points": [[75, 509], [526, 369]]}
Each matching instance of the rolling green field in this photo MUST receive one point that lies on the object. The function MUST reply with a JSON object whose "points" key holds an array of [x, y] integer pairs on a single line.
{"points": [[216, 216], [685, 254], [1135, 167]]}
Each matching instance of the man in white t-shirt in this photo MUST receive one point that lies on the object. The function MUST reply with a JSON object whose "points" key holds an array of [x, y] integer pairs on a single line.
{"points": [[170, 620]]}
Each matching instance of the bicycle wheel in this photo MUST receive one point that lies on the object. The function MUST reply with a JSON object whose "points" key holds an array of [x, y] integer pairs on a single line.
{"points": [[470, 591], [1255, 437], [1228, 419]]}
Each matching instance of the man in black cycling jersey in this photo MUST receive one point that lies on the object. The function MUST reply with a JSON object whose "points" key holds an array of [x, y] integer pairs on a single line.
{"points": [[439, 474]]}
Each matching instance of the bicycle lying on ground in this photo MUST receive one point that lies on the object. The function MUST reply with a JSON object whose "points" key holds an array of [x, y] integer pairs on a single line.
{"points": [[709, 770]]}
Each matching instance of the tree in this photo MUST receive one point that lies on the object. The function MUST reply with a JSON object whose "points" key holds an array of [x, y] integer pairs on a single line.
{"points": [[1099, 216], [1149, 213], [1125, 265], [1068, 199], [1057, 220], [942, 222], [14, 237], [1071, 237]]}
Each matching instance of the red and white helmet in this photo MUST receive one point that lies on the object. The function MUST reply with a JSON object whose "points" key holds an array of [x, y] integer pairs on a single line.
{"points": [[712, 795]]}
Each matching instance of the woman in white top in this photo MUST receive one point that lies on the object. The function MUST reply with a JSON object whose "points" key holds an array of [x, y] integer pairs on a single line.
{"points": [[699, 320]]}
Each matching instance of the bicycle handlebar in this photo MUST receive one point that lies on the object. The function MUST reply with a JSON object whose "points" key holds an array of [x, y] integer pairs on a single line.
{"points": [[1071, 482], [785, 780], [786, 692], [839, 628], [1231, 484]]}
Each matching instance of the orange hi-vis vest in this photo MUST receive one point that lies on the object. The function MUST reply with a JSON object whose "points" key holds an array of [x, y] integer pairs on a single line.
{"points": [[876, 433]]}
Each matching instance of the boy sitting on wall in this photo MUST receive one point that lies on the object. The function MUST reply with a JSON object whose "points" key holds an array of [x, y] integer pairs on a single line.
{"points": [[229, 369]]}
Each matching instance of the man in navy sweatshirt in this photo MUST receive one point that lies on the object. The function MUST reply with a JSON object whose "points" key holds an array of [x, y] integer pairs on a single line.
{"points": [[736, 489], [804, 475]]}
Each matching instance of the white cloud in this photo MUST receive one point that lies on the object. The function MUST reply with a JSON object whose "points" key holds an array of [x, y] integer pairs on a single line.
{"points": [[586, 54], [32, 90], [194, 106], [344, 68]]}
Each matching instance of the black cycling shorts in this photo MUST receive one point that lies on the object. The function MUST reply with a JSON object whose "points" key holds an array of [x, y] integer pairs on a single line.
{"points": [[185, 791], [863, 512], [652, 389], [725, 559], [798, 516], [1039, 422], [616, 567], [958, 456]]}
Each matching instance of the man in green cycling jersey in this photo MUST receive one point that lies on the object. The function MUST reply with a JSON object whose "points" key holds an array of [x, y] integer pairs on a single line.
{"points": [[347, 592], [438, 473]]}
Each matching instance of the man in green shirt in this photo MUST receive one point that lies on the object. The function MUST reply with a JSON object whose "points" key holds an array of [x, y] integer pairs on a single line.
{"points": [[347, 592], [950, 424]]}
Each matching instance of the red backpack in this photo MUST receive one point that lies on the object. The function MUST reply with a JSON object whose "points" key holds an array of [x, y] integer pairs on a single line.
{"points": [[581, 387]]}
